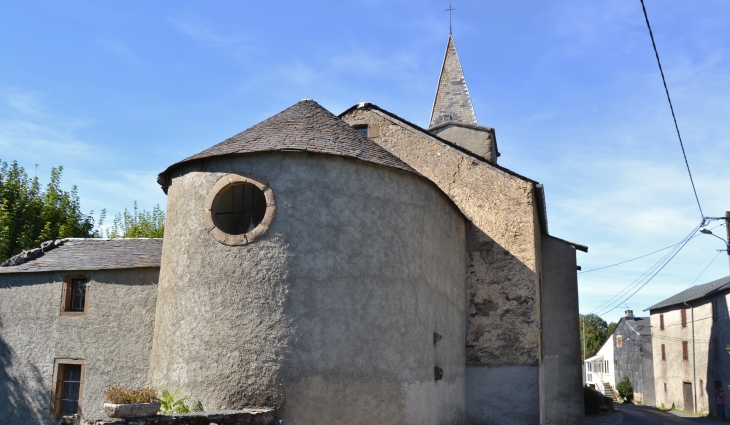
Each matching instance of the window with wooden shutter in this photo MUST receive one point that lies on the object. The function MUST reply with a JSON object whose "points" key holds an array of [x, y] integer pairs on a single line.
{"points": [[715, 314], [664, 353], [684, 318], [685, 351], [661, 321]]}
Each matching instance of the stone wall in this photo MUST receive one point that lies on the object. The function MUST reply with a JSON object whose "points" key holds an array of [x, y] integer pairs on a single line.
{"points": [[502, 251], [712, 360], [502, 262], [330, 315], [114, 338]]}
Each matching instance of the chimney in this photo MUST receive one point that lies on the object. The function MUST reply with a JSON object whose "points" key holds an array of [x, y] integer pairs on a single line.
{"points": [[629, 314]]}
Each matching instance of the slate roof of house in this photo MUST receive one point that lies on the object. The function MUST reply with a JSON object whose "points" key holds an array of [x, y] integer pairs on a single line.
{"points": [[90, 254], [307, 127], [452, 95], [642, 325], [694, 293]]}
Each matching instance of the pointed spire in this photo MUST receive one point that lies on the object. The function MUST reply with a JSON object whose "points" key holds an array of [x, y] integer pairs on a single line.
{"points": [[453, 102]]}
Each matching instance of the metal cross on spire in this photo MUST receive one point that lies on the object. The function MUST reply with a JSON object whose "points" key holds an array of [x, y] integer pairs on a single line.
{"points": [[449, 10]]}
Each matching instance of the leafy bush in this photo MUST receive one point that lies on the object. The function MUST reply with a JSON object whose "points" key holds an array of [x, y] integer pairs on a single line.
{"points": [[116, 395], [592, 400], [625, 390], [170, 405]]}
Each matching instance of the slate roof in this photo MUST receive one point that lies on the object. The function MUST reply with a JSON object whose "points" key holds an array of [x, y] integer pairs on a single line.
{"points": [[452, 95], [694, 293], [642, 325], [93, 254], [307, 127]]}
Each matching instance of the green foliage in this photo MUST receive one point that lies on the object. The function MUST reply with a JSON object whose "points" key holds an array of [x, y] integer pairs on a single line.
{"points": [[625, 390], [170, 405], [30, 214], [597, 332], [138, 224], [116, 395]]}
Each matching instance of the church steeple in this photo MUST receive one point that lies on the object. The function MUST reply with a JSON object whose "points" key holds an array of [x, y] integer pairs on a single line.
{"points": [[453, 102]]}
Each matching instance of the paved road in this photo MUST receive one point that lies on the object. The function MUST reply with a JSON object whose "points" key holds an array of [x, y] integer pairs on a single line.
{"points": [[644, 415]]}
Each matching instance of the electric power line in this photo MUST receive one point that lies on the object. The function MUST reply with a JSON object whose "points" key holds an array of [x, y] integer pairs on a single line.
{"points": [[661, 265], [703, 270], [646, 273], [645, 255], [656, 52]]}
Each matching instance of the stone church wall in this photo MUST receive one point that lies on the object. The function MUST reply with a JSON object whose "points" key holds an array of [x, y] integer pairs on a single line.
{"points": [[114, 339], [330, 315], [502, 267]]}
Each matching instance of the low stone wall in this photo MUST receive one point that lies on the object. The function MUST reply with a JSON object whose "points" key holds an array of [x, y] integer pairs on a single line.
{"points": [[228, 417]]}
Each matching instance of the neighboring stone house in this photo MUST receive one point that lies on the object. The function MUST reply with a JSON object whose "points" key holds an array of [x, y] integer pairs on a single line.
{"points": [[74, 320], [690, 331], [633, 356], [356, 269]]}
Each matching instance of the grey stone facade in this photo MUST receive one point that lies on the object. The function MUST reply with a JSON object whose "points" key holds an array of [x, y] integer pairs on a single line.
{"points": [[691, 381], [633, 356]]}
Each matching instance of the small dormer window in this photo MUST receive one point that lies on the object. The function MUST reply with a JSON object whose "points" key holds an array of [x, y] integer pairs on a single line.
{"points": [[446, 117], [363, 129]]}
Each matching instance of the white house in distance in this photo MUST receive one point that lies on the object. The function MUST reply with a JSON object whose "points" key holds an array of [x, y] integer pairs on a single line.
{"points": [[599, 369]]}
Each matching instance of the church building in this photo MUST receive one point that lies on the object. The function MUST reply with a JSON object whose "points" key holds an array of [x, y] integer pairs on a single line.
{"points": [[352, 268]]}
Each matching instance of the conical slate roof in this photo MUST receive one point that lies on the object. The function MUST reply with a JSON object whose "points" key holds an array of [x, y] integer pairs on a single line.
{"points": [[452, 95], [306, 126]]}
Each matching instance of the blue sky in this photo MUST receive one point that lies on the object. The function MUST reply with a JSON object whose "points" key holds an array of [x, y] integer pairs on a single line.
{"points": [[116, 92]]}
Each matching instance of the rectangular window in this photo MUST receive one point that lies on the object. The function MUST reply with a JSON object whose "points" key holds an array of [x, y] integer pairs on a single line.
{"points": [[68, 387], [714, 310], [702, 388], [664, 357], [684, 318], [75, 300], [665, 387], [607, 369], [685, 351], [619, 341], [661, 321]]}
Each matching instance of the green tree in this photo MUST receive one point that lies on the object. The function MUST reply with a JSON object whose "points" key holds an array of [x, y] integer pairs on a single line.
{"points": [[30, 214], [625, 389], [597, 332], [138, 224]]}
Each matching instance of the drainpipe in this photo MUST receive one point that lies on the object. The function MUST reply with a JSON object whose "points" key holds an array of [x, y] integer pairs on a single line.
{"points": [[694, 368]]}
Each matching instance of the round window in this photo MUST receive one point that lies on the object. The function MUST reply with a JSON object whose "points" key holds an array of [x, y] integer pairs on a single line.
{"points": [[239, 209]]}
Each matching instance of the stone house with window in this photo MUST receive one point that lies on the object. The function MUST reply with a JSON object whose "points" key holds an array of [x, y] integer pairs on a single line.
{"points": [[633, 356], [690, 331], [75, 317], [341, 269]]}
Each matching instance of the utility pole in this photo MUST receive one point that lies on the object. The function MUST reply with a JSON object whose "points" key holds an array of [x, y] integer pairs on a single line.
{"points": [[584, 340], [727, 228]]}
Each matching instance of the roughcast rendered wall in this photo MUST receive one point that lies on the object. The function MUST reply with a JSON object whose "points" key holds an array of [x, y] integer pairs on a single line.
{"points": [[502, 262], [114, 339], [330, 315]]}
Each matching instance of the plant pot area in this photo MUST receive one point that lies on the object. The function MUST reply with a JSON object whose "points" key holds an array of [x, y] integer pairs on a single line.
{"points": [[228, 417]]}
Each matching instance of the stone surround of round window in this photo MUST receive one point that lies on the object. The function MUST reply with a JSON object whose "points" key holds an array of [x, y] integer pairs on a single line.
{"points": [[239, 209]]}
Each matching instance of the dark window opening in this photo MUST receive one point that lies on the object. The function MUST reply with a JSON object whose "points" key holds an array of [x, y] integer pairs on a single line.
{"points": [[661, 321], [664, 356], [685, 350], [363, 129], [78, 295], [240, 209], [716, 348], [70, 389], [714, 310]]}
